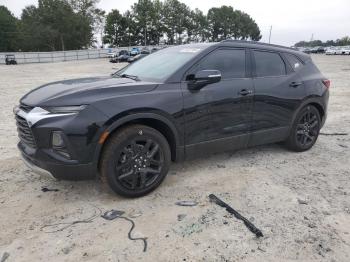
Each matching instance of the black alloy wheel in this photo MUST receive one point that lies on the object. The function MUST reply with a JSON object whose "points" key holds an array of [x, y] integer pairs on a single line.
{"points": [[305, 129], [135, 160], [139, 163]]}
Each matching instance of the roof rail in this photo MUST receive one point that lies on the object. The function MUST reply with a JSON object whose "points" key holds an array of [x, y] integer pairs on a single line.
{"points": [[255, 43]]}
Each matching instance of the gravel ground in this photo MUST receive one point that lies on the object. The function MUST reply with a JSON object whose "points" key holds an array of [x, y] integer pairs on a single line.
{"points": [[300, 201]]}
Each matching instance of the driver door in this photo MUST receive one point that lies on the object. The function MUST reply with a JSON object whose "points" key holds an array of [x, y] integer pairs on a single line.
{"points": [[218, 116]]}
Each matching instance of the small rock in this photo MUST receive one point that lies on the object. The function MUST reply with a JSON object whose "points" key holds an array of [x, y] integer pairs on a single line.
{"points": [[187, 203], [5, 256], [135, 214], [68, 249], [311, 225], [181, 217], [261, 249], [302, 202], [221, 166]]}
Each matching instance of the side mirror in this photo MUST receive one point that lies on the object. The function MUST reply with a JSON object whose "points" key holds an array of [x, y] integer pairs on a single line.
{"points": [[203, 78]]}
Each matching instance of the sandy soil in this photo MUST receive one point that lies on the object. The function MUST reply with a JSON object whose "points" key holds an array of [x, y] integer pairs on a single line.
{"points": [[266, 184]]}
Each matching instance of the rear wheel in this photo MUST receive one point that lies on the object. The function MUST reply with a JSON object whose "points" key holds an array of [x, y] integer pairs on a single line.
{"points": [[305, 129], [135, 161]]}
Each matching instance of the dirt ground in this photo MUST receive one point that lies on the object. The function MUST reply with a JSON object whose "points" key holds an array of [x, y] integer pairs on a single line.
{"points": [[300, 201]]}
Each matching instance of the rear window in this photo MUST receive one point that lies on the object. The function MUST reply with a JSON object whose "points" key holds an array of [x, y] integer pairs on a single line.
{"points": [[293, 61], [269, 64]]}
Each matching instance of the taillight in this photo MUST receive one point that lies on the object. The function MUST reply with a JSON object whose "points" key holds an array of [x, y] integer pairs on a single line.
{"points": [[327, 82]]}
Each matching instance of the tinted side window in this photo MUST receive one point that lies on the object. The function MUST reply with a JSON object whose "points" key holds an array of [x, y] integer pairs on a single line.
{"points": [[230, 62], [269, 64], [293, 61]]}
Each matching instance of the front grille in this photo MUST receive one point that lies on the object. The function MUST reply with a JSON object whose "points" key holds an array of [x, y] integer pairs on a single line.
{"points": [[24, 132], [25, 107]]}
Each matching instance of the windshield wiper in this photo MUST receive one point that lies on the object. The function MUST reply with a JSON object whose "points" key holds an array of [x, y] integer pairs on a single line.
{"points": [[136, 78]]}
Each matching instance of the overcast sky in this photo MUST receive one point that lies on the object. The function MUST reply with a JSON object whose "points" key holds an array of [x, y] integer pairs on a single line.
{"points": [[291, 21]]}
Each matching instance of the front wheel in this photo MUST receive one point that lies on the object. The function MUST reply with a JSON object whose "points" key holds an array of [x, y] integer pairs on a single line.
{"points": [[305, 129], [135, 160]]}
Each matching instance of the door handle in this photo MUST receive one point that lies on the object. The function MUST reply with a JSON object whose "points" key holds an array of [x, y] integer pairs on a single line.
{"points": [[295, 84], [245, 92]]}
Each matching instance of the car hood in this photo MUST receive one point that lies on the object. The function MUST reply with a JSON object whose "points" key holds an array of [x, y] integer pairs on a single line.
{"points": [[84, 91]]}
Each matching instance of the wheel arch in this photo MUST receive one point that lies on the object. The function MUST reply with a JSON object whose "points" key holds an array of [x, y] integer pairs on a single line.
{"points": [[314, 101], [152, 119]]}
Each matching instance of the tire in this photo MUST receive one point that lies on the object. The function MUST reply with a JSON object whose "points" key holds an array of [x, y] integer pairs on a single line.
{"points": [[135, 160], [305, 129]]}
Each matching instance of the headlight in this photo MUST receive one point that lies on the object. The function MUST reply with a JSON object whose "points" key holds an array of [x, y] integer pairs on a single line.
{"points": [[65, 109]]}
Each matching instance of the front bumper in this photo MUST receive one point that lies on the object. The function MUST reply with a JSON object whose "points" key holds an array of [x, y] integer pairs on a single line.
{"points": [[80, 133], [36, 169], [37, 161]]}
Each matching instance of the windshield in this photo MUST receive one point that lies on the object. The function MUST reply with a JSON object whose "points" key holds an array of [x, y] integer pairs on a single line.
{"points": [[160, 65]]}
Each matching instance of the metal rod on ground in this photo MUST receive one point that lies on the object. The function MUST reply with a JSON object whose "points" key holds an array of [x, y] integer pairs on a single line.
{"points": [[229, 209]]}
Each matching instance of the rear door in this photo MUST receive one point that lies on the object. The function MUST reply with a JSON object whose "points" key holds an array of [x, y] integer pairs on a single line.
{"points": [[278, 92]]}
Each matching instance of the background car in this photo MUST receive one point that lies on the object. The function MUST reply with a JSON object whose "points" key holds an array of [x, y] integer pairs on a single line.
{"points": [[318, 50], [345, 50], [136, 57], [145, 50], [110, 53], [333, 50], [121, 56], [134, 51], [10, 60]]}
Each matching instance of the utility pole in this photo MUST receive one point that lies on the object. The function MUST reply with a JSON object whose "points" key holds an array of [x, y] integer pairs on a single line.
{"points": [[270, 35]]}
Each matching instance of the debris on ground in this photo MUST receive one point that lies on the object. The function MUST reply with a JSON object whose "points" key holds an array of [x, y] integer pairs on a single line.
{"points": [[181, 217], [64, 225], [113, 214], [134, 214], [229, 209], [4, 257], [45, 189], [186, 203], [68, 249], [302, 202], [220, 166], [334, 134]]}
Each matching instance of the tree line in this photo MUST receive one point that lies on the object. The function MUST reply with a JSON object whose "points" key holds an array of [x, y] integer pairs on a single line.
{"points": [[344, 41], [52, 25], [151, 22], [55, 25]]}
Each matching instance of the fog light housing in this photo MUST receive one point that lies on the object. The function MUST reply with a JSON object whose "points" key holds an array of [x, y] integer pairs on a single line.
{"points": [[59, 145], [57, 139]]}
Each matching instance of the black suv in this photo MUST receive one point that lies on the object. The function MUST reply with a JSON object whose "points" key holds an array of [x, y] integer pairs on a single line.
{"points": [[174, 104]]}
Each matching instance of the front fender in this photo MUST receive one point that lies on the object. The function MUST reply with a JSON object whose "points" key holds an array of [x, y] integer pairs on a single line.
{"points": [[117, 121]]}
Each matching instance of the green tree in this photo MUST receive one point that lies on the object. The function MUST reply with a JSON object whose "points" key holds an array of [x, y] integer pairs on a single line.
{"points": [[175, 19], [58, 25], [8, 30], [117, 29], [226, 23], [197, 28]]}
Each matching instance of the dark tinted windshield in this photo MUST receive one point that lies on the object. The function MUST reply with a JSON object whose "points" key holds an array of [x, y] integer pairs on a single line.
{"points": [[162, 64]]}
